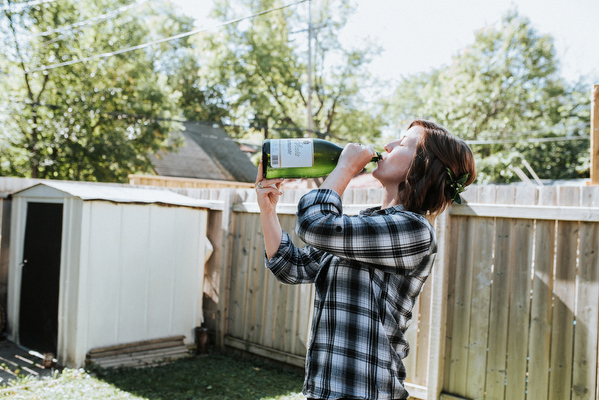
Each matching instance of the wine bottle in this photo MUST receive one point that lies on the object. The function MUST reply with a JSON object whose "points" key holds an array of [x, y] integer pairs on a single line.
{"points": [[300, 158]]}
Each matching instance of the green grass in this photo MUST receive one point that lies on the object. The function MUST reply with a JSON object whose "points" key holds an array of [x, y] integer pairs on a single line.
{"points": [[216, 376]]}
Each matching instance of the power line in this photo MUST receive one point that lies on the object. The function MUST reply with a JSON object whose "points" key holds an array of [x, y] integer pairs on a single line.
{"points": [[90, 21], [122, 115], [533, 140], [168, 39], [20, 6]]}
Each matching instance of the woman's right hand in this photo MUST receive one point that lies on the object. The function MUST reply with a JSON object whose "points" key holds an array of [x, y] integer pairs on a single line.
{"points": [[355, 157], [352, 160]]}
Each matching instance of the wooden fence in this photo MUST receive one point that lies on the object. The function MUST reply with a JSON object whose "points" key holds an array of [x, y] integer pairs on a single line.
{"points": [[510, 312], [521, 267]]}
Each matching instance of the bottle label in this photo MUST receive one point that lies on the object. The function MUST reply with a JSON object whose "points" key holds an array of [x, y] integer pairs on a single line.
{"points": [[291, 153]]}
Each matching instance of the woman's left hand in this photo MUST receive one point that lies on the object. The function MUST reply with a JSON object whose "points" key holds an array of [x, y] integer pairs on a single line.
{"points": [[268, 192]]}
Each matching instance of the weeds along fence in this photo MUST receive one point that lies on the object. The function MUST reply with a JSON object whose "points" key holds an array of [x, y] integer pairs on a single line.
{"points": [[510, 312]]}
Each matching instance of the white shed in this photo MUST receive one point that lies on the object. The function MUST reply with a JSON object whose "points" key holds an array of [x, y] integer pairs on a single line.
{"points": [[96, 265]]}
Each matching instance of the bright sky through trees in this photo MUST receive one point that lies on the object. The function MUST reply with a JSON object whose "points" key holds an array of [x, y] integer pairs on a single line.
{"points": [[419, 35]]}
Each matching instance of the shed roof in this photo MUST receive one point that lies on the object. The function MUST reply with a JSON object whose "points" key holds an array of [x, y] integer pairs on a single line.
{"points": [[117, 194], [208, 153]]}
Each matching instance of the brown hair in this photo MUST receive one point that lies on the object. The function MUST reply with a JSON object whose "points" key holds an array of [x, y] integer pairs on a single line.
{"points": [[425, 188]]}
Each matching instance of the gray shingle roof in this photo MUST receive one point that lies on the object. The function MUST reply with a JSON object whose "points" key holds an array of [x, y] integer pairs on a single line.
{"points": [[208, 153]]}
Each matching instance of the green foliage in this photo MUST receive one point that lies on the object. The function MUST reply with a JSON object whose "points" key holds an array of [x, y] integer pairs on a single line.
{"points": [[264, 65], [505, 89], [97, 120]]}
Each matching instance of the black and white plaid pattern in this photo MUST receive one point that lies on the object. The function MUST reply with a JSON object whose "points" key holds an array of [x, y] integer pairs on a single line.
{"points": [[368, 270]]}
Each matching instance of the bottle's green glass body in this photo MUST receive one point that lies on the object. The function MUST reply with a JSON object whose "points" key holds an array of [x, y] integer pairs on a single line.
{"points": [[300, 158]]}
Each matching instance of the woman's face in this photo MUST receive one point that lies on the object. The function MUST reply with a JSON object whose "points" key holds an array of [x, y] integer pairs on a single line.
{"points": [[396, 160]]}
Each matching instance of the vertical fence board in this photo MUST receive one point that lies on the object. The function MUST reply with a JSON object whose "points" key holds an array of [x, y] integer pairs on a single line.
{"points": [[585, 332], [272, 292], [411, 336], [439, 312], [291, 319], [519, 305], [422, 339], [458, 373], [481, 295], [280, 315], [238, 280], [252, 279], [563, 307], [226, 251], [452, 241], [256, 290], [584, 372], [499, 310], [542, 294], [479, 307]]}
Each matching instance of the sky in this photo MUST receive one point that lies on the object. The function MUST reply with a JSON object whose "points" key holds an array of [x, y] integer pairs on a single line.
{"points": [[417, 36]]}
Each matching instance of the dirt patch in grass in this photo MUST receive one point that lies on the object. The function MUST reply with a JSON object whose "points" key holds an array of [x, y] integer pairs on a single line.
{"points": [[215, 376]]}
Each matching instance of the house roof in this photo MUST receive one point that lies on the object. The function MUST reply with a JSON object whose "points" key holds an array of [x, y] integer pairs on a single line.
{"points": [[208, 153], [106, 192]]}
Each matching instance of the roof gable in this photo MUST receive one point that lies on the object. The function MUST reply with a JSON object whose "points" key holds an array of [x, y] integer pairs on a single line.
{"points": [[107, 192], [208, 153]]}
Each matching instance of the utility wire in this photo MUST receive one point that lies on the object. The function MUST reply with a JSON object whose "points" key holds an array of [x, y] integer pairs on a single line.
{"points": [[168, 39], [123, 115], [19, 6], [90, 21], [533, 140]]}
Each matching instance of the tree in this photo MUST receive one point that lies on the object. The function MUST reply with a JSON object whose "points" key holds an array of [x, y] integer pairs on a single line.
{"points": [[96, 120], [505, 90], [263, 63]]}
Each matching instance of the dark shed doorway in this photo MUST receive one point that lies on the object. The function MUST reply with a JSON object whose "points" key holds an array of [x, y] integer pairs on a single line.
{"points": [[38, 316]]}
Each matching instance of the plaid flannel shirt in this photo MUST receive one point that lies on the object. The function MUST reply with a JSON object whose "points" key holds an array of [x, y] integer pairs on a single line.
{"points": [[367, 270]]}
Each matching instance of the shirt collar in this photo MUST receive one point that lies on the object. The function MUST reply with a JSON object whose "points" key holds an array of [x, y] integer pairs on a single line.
{"points": [[389, 210], [378, 211]]}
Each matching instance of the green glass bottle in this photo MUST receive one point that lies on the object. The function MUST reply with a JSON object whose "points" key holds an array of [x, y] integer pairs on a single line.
{"points": [[300, 158]]}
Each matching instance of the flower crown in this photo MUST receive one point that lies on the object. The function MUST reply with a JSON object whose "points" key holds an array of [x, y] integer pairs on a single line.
{"points": [[457, 185]]}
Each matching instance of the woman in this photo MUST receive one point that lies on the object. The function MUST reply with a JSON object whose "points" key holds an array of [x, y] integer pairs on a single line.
{"points": [[367, 269]]}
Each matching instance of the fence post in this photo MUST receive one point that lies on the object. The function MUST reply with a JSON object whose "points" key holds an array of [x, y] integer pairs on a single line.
{"points": [[228, 231], [595, 135]]}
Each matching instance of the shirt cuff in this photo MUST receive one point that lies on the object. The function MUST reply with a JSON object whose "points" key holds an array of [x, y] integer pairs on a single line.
{"points": [[279, 259]]}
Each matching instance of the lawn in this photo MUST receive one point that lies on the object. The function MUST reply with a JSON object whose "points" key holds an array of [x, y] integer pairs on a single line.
{"points": [[215, 376]]}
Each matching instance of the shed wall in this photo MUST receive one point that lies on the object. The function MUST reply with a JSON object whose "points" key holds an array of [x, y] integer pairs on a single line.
{"points": [[142, 270], [129, 271]]}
